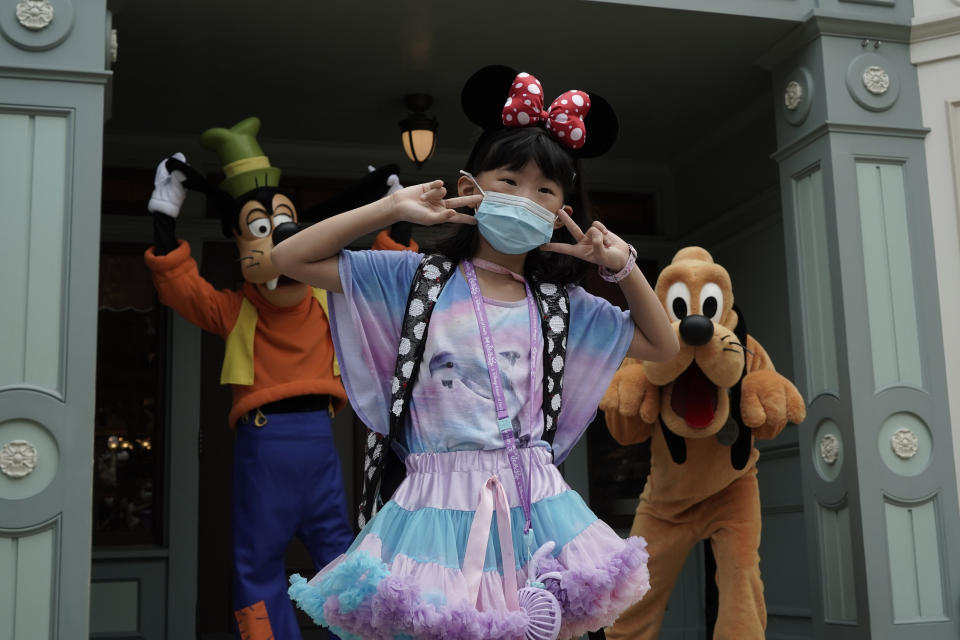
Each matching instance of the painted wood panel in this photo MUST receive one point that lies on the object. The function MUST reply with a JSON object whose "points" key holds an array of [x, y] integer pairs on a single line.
{"points": [[114, 606], [33, 159], [816, 287], [8, 586], [894, 335], [914, 552], [26, 585], [34, 585], [839, 590]]}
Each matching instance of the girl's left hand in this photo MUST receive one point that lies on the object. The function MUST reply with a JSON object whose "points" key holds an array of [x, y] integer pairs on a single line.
{"points": [[598, 245]]}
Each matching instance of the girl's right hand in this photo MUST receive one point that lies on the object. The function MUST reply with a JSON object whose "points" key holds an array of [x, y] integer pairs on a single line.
{"points": [[424, 204]]}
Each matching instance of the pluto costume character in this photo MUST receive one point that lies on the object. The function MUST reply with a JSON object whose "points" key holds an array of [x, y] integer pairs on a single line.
{"points": [[280, 362], [702, 410]]}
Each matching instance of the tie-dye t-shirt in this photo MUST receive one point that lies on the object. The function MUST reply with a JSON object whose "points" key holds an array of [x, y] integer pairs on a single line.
{"points": [[451, 407]]}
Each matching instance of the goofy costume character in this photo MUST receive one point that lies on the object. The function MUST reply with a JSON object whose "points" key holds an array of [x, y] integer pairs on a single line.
{"points": [[280, 362]]}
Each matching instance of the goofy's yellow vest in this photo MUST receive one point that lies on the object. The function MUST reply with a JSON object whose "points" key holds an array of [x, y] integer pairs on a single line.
{"points": [[238, 356]]}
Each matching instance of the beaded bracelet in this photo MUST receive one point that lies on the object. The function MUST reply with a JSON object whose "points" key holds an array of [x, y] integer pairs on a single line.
{"points": [[607, 275]]}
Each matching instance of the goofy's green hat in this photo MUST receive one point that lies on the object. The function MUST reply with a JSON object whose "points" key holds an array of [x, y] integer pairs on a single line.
{"points": [[244, 162]]}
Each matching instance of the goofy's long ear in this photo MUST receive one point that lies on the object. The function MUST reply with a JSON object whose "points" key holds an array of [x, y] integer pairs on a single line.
{"points": [[740, 449], [217, 198], [195, 181]]}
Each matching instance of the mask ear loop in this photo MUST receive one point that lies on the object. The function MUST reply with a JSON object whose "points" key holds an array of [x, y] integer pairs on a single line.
{"points": [[474, 181]]}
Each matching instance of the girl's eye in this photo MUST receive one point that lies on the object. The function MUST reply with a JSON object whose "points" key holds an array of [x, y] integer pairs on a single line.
{"points": [[260, 227], [509, 181], [546, 190]]}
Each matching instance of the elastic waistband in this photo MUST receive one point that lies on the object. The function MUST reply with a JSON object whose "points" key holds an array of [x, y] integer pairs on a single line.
{"points": [[492, 460]]}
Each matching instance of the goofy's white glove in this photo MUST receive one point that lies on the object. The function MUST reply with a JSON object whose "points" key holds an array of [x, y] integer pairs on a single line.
{"points": [[393, 184], [168, 190], [393, 181]]}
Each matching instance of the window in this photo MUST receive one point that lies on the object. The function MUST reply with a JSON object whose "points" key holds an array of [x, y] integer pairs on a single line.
{"points": [[130, 401]]}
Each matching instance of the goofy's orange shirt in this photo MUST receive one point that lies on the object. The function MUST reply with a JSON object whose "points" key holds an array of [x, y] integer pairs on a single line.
{"points": [[292, 352]]}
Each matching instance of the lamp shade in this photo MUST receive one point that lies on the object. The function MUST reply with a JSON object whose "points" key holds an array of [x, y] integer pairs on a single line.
{"points": [[418, 131]]}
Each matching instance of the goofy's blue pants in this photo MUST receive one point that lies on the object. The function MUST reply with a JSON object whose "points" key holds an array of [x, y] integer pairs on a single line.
{"points": [[286, 482]]}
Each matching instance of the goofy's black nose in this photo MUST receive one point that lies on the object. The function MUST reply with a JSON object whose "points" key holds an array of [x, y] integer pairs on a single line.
{"points": [[284, 231], [696, 330]]}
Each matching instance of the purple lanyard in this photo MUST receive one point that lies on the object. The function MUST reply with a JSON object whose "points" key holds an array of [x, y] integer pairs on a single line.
{"points": [[493, 369]]}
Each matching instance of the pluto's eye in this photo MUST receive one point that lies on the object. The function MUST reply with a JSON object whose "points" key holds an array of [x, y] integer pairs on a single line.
{"points": [[678, 301], [260, 228], [280, 218], [711, 301]]}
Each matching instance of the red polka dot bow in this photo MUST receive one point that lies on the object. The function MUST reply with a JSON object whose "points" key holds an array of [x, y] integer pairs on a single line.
{"points": [[564, 120]]}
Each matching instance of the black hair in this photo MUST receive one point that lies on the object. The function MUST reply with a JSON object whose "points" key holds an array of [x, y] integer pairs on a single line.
{"points": [[229, 208], [513, 148]]}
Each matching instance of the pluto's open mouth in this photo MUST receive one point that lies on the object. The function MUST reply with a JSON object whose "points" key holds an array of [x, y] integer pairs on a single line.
{"points": [[694, 397]]}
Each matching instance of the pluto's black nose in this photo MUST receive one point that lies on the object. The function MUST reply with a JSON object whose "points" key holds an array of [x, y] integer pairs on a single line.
{"points": [[284, 231], [696, 330]]}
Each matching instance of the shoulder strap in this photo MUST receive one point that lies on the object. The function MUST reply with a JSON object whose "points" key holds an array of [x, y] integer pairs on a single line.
{"points": [[554, 303], [432, 274]]}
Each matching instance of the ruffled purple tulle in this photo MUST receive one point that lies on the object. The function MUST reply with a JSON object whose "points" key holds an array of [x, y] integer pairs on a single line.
{"points": [[397, 609], [593, 597]]}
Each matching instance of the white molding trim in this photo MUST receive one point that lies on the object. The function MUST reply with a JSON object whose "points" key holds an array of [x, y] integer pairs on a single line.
{"points": [[841, 127], [934, 27], [820, 23], [953, 127]]}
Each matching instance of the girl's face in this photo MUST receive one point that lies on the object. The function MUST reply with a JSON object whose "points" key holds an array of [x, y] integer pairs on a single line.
{"points": [[528, 182]]}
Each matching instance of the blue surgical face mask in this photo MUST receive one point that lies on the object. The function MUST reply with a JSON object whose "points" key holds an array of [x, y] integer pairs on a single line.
{"points": [[512, 224]]}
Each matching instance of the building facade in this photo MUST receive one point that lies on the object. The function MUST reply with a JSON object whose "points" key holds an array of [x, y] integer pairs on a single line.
{"points": [[830, 194]]}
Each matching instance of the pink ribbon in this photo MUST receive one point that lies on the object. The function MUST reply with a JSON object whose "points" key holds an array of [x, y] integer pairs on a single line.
{"points": [[492, 496]]}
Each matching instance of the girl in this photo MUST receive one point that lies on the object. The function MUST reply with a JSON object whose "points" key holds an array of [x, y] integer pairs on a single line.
{"points": [[424, 566]]}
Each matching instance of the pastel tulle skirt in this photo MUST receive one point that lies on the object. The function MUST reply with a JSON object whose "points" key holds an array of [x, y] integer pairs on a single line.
{"points": [[401, 578]]}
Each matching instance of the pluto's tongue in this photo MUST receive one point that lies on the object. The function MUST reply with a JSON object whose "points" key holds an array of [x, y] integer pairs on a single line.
{"points": [[694, 397]]}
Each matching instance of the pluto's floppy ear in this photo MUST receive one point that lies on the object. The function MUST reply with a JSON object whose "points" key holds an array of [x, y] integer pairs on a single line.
{"points": [[676, 444], [740, 449]]}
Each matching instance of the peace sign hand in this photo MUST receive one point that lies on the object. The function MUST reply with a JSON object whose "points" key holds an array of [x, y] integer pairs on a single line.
{"points": [[598, 245], [424, 204]]}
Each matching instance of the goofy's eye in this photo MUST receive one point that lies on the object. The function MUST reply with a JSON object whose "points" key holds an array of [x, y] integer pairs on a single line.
{"points": [[260, 228], [280, 218], [711, 301], [678, 301]]}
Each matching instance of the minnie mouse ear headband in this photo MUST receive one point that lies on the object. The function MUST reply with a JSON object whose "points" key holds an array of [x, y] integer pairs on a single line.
{"points": [[498, 96]]}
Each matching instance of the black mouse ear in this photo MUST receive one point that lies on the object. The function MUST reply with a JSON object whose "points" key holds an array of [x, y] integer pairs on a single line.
{"points": [[602, 125], [484, 94]]}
